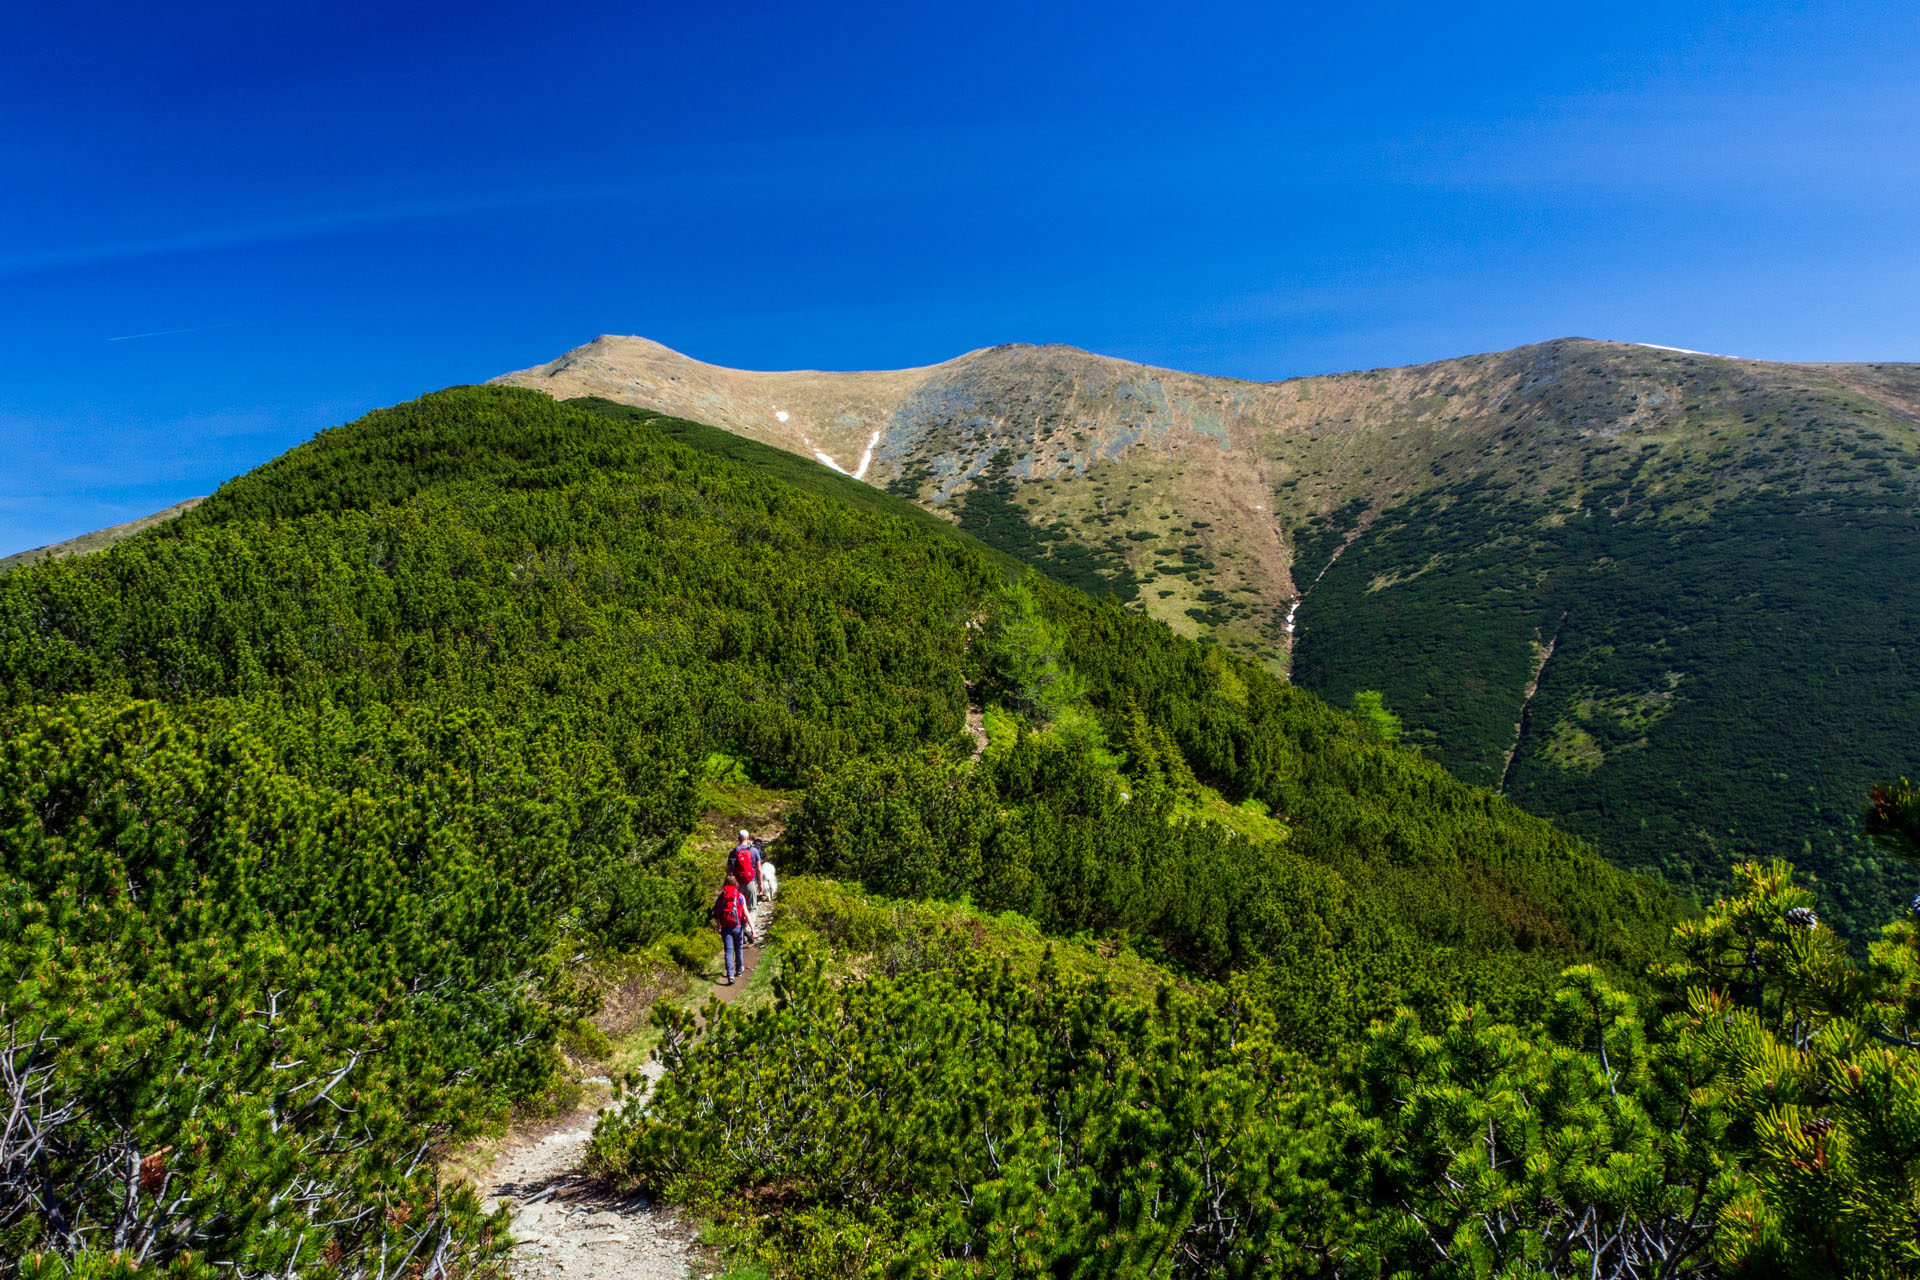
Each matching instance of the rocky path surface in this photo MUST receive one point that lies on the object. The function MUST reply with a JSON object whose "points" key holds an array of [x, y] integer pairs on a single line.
{"points": [[566, 1223], [976, 721]]}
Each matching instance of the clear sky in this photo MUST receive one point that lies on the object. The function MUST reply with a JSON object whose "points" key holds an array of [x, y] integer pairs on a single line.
{"points": [[223, 228]]}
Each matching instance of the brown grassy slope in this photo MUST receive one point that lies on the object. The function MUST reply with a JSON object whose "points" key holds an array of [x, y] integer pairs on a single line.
{"points": [[1229, 469], [96, 540], [834, 412]]}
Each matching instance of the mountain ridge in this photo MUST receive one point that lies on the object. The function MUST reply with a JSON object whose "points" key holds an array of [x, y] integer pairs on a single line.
{"points": [[936, 451], [1635, 587], [99, 538]]}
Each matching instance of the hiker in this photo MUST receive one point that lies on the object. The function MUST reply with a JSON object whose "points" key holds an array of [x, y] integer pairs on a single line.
{"points": [[766, 882], [743, 864], [735, 918]]}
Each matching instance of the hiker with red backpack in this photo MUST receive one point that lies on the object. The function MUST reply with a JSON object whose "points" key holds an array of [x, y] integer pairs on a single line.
{"points": [[765, 884], [743, 864], [735, 918]]}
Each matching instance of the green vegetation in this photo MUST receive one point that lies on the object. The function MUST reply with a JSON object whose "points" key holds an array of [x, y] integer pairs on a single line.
{"points": [[990, 512], [1893, 819], [929, 1096], [1719, 689], [1371, 710], [865, 933], [259, 963], [764, 459], [309, 791], [320, 800], [1726, 551], [1392, 878], [1024, 657]]}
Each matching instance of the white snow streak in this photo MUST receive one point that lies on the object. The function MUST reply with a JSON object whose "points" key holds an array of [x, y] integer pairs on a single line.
{"points": [[823, 457], [1294, 608], [1685, 351], [860, 472], [866, 459]]}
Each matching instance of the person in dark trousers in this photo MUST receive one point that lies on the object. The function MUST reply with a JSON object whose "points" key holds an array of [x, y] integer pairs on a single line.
{"points": [[743, 864], [735, 918]]}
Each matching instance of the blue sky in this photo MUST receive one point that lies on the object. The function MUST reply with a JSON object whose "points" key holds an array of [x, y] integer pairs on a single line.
{"points": [[223, 231]]}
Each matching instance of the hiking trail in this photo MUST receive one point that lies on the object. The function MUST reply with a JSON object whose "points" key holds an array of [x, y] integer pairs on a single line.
{"points": [[565, 1222], [976, 720]]}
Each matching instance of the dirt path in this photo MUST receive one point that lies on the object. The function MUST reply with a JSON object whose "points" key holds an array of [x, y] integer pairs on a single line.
{"points": [[566, 1223], [976, 721]]}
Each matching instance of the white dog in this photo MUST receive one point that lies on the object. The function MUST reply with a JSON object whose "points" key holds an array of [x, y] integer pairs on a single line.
{"points": [[769, 880]]}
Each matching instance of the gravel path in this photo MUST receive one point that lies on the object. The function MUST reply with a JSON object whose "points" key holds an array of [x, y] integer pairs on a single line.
{"points": [[567, 1224]]}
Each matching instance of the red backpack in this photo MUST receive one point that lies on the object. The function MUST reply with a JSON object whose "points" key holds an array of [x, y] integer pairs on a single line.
{"points": [[741, 864], [731, 909]]}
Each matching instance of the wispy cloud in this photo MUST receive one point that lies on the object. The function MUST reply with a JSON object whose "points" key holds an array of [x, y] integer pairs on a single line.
{"points": [[263, 231], [168, 333]]}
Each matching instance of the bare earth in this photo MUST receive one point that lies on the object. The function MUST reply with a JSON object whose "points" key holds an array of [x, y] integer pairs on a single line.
{"points": [[566, 1223]]}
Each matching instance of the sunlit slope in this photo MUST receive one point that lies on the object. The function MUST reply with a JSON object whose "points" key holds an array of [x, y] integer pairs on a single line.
{"points": [[1060, 454], [96, 540], [1704, 566]]}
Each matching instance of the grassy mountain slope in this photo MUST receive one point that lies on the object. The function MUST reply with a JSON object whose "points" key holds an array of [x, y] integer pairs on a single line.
{"points": [[1667, 599], [314, 794], [94, 541]]}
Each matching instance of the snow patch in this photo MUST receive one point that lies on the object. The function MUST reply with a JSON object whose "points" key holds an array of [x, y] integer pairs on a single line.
{"points": [[1685, 351], [824, 458], [860, 472], [779, 415]]}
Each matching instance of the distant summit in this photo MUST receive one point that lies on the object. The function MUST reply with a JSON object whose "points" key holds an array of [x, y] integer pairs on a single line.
{"points": [[98, 539]]}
